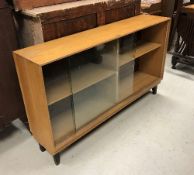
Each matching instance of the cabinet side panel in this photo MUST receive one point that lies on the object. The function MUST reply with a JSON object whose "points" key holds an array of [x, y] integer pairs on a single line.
{"points": [[33, 91], [155, 61]]}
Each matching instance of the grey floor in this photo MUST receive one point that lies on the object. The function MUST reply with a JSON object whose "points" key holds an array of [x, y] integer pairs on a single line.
{"points": [[154, 136]]}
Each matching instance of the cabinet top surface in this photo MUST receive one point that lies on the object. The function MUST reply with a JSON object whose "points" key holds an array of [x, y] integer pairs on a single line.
{"points": [[54, 50]]}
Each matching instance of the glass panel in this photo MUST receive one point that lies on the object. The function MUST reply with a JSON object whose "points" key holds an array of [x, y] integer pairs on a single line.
{"points": [[62, 119], [94, 81], [127, 46], [127, 50], [126, 80], [57, 81], [93, 101], [59, 98]]}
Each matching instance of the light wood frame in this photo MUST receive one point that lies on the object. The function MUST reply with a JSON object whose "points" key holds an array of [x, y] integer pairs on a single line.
{"points": [[29, 63]]}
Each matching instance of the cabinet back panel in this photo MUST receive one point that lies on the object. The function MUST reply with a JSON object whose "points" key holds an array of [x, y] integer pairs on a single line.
{"points": [[155, 61]]}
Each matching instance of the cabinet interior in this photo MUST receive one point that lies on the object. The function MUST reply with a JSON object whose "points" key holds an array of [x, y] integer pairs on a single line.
{"points": [[83, 86]]}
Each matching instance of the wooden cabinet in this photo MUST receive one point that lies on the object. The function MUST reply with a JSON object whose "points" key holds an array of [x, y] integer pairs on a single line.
{"points": [[47, 23], [159, 7], [11, 104], [30, 4], [183, 51], [73, 84]]}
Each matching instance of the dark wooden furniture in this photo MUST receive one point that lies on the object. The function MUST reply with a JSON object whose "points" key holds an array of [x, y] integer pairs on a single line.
{"points": [[30, 4], [158, 7], [184, 47], [151, 7], [11, 104], [46, 23], [175, 18]]}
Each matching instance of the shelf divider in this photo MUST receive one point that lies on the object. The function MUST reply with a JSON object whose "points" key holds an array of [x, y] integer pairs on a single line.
{"points": [[141, 49]]}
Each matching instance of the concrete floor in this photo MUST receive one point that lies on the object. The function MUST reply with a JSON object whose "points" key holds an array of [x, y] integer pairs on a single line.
{"points": [[154, 136]]}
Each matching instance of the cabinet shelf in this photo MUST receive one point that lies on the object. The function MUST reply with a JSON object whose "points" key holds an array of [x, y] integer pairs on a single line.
{"points": [[125, 58], [141, 80], [88, 75], [141, 49], [57, 88]]}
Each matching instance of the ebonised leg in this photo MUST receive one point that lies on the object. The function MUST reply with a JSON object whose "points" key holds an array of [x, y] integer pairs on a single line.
{"points": [[174, 62], [42, 148], [56, 158], [154, 90]]}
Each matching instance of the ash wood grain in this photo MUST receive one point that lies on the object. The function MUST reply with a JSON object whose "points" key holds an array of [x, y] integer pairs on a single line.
{"points": [[31, 82], [154, 62], [141, 49], [57, 49], [145, 47]]}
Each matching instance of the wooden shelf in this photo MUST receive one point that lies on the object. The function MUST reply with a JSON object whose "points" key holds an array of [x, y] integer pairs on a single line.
{"points": [[145, 47], [141, 49], [57, 88], [88, 75], [142, 80], [125, 58]]}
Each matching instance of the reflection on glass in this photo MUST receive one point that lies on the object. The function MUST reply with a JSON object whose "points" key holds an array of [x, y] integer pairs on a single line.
{"points": [[126, 66], [126, 78], [93, 101], [62, 119], [93, 78], [59, 99], [126, 49]]}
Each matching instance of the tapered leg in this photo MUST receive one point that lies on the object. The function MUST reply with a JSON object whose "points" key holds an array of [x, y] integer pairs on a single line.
{"points": [[154, 90], [174, 62], [42, 148], [56, 159]]}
